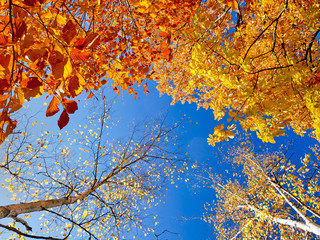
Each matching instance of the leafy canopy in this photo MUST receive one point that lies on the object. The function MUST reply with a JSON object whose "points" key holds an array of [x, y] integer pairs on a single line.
{"points": [[64, 48], [257, 61]]}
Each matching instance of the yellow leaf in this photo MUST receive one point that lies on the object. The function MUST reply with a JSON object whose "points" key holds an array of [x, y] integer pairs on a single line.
{"points": [[67, 69]]}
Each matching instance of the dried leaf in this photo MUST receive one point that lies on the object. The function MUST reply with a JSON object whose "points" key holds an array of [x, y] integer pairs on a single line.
{"points": [[4, 60], [21, 30], [70, 106], [69, 31], [63, 120], [31, 82]]}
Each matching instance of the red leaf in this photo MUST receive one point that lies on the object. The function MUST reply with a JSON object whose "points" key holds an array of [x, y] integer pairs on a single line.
{"points": [[35, 54], [70, 106], [74, 86], [31, 82], [4, 86], [92, 40], [63, 120], [4, 60], [143, 69], [115, 89], [69, 31], [34, 82], [30, 3], [52, 108], [21, 29]]}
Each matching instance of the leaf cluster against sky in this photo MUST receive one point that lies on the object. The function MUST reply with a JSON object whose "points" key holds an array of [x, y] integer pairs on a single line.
{"points": [[256, 61]]}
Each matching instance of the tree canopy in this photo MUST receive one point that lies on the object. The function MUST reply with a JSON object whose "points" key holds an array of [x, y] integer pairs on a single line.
{"points": [[64, 48], [256, 61]]}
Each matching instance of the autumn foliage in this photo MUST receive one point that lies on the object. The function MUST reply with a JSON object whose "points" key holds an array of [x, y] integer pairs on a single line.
{"points": [[256, 61], [277, 200], [64, 48]]}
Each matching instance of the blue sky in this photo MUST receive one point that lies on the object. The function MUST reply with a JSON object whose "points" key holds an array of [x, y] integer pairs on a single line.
{"points": [[184, 201]]}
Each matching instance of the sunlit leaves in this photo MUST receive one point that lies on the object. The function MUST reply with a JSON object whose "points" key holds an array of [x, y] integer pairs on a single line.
{"points": [[76, 46], [52, 108], [260, 60], [276, 200]]}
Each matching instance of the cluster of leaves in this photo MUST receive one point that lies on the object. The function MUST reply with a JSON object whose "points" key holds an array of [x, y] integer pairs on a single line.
{"points": [[259, 60], [64, 48], [277, 199], [89, 187]]}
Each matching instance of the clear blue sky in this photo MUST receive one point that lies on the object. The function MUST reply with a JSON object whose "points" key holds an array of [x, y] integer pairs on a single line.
{"points": [[184, 201]]}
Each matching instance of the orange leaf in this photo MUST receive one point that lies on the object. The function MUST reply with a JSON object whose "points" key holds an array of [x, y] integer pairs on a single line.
{"points": [[63, 120], [79, 55], [69, 31], [79, 44], [10, 127], [89, 42], [3, 39], [32, 92], [2, 137], [4, 97], [74, 86], [163, 34], [232, 3], [70, 106], [57, 61], [90, 96], [52, 109]]}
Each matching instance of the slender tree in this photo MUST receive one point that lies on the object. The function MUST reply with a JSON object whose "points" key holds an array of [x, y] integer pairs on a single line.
{"points": [[273, 200], [89, 187]]}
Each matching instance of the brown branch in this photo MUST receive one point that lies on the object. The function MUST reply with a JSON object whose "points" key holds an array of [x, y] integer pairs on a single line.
{"points": [[257, 38], [73, 222], [310, 46], [28, 235]]}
